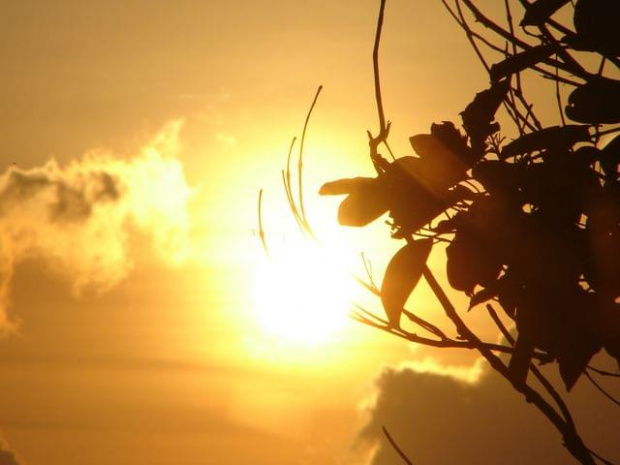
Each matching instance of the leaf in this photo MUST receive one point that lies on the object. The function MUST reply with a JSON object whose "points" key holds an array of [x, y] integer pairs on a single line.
{"points": [[519, 364], [610, 158], [521, 61], [509, 288], [417, 195], [438, 168], [401, 277], [554, 137], [561, 321], [482, 296], [452, 138], [498, 176], [368, 199], [470, 262], [363, 206], [478, 116], [609, 328], [346, 186], [475, 254], [596, 23], [575, 360], [595, 102], [540, 11]]}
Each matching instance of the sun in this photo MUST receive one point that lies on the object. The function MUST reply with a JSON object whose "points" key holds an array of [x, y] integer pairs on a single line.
{"points": [[302, 295]]}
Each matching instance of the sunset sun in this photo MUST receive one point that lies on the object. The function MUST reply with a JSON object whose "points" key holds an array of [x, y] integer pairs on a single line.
{"points": [[302, 296]]}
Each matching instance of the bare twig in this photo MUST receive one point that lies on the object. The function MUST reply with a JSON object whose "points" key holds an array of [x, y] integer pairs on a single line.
{"points": [[395, 446], [572, 440], [601, 389], [603, 372], [384, 127], [300, 162], [261, 231]]}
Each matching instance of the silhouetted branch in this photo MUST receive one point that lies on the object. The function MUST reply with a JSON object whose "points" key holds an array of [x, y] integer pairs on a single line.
{"points": [[537, 373], [286, 181], [261, 231], [572, 440], [300, 164], [368, 318], [603, 372], [395, 446], [384, 128], [601, 389]]}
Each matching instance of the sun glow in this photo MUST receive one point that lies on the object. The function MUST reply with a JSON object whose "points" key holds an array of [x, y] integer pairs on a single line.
{"points": [[302, 296]]}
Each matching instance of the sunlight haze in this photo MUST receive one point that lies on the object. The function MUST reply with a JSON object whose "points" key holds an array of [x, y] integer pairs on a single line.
{"points": [[143, 323]]}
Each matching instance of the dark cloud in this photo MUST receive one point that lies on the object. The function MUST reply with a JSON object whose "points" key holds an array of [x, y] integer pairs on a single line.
{"points": [[7, 457], [438, 419], [68, 197]]}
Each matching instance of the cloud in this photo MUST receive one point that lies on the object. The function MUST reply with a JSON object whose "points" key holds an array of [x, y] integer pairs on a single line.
{"points": [[7, 457], [442, 419], [467, 374], [80, 217]]}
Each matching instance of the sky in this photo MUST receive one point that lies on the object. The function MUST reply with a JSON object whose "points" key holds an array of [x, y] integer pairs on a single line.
{"points": [[142, 323]]}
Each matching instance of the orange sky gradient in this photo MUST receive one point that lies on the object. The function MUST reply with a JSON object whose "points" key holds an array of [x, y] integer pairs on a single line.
{"points": [[142, 322]]}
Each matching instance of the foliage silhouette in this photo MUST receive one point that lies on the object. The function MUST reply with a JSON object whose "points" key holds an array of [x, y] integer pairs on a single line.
{"points": [[533, 225]]}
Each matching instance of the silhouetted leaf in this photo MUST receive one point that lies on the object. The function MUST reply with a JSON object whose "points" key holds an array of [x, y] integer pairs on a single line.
{"points": [[498, 176], [610, 158], [509, 289], [559, 189], [540, 11], [596, 23], [446, 226], [439, 168], [482, 296], [469, 265], [559, 319], [346, 186], [609, 327], [555, 137], [574, 362], [452, 138], [603, 233], [521, 61], [401, 277], [472, 255], [419, 192], [519, 364], [595, 102], [478, 116], [368, 199]]}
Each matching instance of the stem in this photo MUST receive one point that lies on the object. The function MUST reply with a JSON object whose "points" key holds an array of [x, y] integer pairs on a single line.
{"points": [[572, 440], [300, 162]]}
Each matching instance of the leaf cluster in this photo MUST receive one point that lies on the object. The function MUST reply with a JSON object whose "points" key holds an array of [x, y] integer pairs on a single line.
{"points": [[533, 225]]}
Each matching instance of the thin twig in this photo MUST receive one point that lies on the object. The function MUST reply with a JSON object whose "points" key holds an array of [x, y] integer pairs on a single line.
{"points": [[286, 180], [603, 372], [375, 64], [601, 389], [261, 231], [395, 446], [572, 440], [368, 318], [558, 97], [384, 128], [537, 373], [300, 162]]}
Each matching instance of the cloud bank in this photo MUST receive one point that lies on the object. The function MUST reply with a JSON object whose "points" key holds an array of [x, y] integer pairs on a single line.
{"points": [[439, 418], [80, 217], [8, 457]]}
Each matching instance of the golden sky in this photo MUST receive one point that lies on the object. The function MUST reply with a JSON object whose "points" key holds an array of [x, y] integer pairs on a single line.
{"points": [[144, 324]]}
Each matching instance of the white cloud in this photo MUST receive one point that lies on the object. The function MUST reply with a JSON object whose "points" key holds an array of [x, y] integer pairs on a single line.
{"points": [[80, 217]]}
